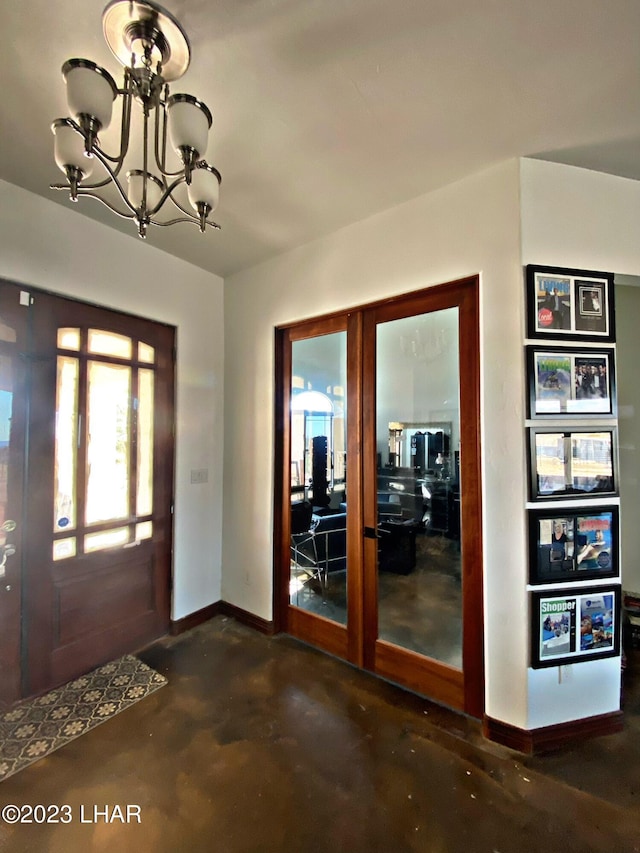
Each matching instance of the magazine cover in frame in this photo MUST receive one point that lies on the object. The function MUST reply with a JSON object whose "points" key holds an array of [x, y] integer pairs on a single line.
{"points": [[570, 625], [576, 544], [569, 303], [572, 462], [572, 382]]}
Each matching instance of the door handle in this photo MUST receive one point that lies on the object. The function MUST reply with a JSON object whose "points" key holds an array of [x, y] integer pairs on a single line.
{"points": [[7, 551]]}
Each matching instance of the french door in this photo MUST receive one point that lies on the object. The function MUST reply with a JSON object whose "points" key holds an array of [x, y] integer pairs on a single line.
{"points": [[378, 517], [87, 415]]}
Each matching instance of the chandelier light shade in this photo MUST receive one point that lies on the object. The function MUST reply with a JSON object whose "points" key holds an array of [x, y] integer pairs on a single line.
{"points": [[69, 149], [154, 50], [91, 91]]}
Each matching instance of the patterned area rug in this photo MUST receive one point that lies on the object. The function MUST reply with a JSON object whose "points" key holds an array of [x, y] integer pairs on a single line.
{"points": [[37, 727]]}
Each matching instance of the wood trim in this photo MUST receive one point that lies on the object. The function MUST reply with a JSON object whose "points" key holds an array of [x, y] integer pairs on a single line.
{"points": [[355, 519], [317, 326], [550, 738], [221, 608], [471, 504], [264, 626], [310, 327], [413, 671], [281, 492], [179, 626], [370, 504], [319, 632]]}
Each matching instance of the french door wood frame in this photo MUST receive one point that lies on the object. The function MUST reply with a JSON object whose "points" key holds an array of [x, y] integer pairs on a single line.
{"points": [[358, 642]]}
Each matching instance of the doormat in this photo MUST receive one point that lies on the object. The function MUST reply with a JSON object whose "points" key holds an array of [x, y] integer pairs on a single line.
{"points": [[37, 727]]}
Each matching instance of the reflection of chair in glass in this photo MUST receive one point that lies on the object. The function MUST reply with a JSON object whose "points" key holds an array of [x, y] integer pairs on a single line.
{"points": [[301, 512], [397, 545], [322, 549]]}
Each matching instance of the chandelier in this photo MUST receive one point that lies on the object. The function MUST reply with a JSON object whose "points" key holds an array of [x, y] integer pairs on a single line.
{"points": [[154, 50]]}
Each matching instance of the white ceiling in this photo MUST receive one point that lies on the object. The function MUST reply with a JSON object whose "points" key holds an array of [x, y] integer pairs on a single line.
{"points": [[328, 111]]}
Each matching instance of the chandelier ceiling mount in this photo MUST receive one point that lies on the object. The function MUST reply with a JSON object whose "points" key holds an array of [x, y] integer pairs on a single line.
{"points": [[154, 50]]}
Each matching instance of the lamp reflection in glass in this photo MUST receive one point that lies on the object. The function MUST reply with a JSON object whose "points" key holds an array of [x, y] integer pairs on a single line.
{"points": [[154, 50]]}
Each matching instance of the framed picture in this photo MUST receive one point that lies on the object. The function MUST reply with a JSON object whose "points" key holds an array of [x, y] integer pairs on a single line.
{"points": [[569, 303], [570, 625], [572, 462], [575, 545], [565, 381]]}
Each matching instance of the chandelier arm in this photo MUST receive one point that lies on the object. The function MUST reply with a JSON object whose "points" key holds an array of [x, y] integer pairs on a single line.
{"points": [[114, 179], [145, 154], [181, 208], [161, 150], [125, 122], [125, 126], [84, 193], [187, 218], [167, 195]]}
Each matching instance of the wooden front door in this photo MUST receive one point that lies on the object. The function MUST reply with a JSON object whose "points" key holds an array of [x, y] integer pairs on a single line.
{"points": [[13, 406], [96, 518]]}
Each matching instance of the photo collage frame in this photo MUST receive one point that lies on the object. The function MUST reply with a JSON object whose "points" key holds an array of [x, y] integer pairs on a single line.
{"points": [[572, 439], [575, 624]]}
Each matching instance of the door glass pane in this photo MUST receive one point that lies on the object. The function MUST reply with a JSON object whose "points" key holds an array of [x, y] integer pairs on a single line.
{"points": [[318, 579], [144, 498], [144, 530], [108, 442], [63, 548], [66, 444], [108, 343], [69, 338], [6, 414], [7, 333], [146, 353], [418, 485], [106, 539]]}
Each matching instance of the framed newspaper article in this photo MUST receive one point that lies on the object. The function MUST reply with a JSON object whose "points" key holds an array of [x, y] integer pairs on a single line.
{"points": [[572, 625], [578, 544], [566, 381], [572, 462], [569, 303]]}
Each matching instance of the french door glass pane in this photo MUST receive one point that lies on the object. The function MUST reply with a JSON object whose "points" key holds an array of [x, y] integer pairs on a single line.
{"points": [[144, 497], [108, 443], [418, 485], [66, 444], [318, 578]]}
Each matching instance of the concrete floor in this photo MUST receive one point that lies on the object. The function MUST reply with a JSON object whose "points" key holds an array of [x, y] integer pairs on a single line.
{"points": [[262, 744]]}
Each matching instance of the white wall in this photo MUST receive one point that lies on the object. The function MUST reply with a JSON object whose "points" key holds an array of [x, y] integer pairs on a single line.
{"points": [[577, 218], [586, 220], [469, 227], [46, 245]]}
